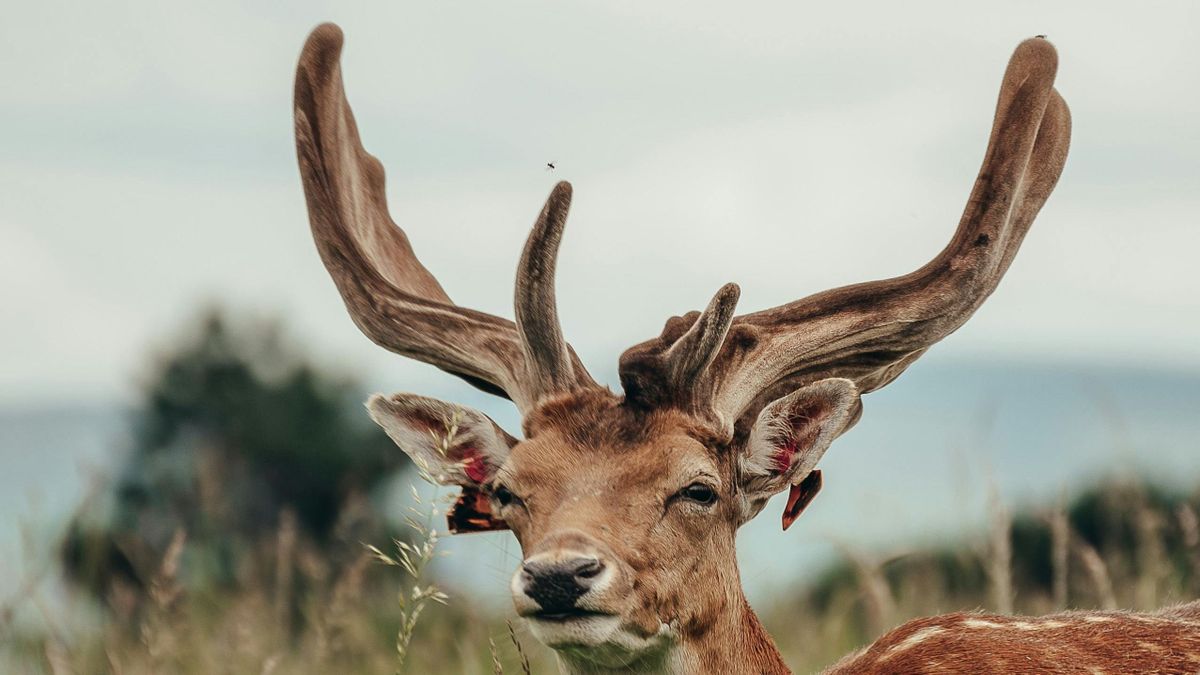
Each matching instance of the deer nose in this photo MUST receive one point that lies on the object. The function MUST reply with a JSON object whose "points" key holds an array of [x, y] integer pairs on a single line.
{"points": [[556, 586]]}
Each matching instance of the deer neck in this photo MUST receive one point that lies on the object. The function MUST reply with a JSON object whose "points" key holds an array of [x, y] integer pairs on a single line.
{"points": [[735, 644]]}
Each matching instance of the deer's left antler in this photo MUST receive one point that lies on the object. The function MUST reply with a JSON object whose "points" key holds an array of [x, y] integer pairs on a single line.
{"points": [[871, 332]]}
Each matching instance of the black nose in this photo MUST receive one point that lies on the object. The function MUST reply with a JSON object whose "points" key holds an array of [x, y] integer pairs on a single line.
{"points": [[555, 586]]}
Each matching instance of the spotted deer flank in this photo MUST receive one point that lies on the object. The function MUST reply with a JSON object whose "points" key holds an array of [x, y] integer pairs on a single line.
{"points": [[627, 504], [1072, 642]]}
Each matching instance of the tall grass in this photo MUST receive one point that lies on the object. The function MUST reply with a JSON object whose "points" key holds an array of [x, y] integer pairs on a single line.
{"points": [[301, 613], [414, 559]]}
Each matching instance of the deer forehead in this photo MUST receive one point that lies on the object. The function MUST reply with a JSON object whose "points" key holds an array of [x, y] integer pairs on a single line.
{"points": [[643, 467]]}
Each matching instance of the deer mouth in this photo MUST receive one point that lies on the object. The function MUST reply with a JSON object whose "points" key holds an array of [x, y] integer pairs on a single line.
{"points": [[564, 616], [575, 629]]}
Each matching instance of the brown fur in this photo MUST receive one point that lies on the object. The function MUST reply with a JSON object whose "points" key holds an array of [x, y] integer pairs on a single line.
{"points": [[1116, 643], [573, 481], [596, 417]]}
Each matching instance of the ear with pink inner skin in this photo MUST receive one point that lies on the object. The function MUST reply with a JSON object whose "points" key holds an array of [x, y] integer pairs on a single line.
{"points": [[789, 437], [453, 445]]}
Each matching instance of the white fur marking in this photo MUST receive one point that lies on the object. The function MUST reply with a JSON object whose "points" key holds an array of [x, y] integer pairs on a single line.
{"points": [[912, 640], [1150, 647], [980, 623], [1146, 619]]}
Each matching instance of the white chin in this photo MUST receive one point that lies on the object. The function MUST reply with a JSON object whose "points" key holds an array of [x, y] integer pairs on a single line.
{"points": [[585, 631], [601, 640]]}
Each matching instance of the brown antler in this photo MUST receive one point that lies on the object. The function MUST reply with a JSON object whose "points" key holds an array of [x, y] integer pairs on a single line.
{"points": [[392, 298], [537, 310], [871, 332]]}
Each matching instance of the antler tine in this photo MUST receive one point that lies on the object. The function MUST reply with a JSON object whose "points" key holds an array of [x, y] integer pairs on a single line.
{"points": [[871, 332], [693, 352], [546, 351], [389, 294], [668, 370]]}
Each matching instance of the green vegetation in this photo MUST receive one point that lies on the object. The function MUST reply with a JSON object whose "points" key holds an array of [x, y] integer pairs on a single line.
{"points": [[231, 541], [237, 438], [1146, 555]]}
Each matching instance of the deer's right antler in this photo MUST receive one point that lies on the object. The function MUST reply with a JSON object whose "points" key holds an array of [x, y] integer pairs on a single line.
{"points": [[390, 295]]}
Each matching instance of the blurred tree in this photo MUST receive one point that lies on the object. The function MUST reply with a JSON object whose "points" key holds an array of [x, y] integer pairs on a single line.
{"points": [[235, 427]]}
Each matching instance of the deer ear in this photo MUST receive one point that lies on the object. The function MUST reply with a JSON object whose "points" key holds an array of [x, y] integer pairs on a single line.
{"points": [[453, 444], [788, 439]]}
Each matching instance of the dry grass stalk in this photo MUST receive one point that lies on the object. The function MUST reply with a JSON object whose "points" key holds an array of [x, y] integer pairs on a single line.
{"points": [[158, 630], [497, 668], [878, 604], [113, 662], [414, 558], [57, 658], [337, 615], [1060, 552], [512, 635], [1151, 559], [1097, 571], [1189, 525], [999, 559], [285, 565]]}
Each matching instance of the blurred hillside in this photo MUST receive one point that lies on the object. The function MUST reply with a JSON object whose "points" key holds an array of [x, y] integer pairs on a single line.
{"points": [[225, 530]]}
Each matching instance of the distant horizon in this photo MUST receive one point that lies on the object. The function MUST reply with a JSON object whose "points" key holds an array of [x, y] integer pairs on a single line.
{"points": [[916, 465], [432, 380]]}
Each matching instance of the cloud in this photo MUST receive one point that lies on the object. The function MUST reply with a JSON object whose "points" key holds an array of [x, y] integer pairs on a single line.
{"points": [[148, 166]]}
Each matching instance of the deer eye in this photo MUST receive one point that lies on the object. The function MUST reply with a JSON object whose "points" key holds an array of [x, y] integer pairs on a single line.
{"points": [[699, 493], [504, 496]]}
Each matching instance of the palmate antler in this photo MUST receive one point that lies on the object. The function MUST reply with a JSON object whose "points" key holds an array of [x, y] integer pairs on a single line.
{"points": [[390, 295], [713, 364], [730, 367]]}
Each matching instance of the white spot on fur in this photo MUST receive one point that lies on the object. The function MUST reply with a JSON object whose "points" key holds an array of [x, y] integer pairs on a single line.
{"points": [[1097, 619], [1040, 624], [980, 623], [1146, 619], [1150, 647], [912, 640]]}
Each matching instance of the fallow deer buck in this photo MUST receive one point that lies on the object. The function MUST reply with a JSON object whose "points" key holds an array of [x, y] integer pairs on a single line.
{"points": [[626, 506]]}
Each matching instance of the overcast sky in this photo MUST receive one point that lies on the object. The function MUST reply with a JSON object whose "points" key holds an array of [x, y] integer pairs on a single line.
{"points": [[147, 166]]}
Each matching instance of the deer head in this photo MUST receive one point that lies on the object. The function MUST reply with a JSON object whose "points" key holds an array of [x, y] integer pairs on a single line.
{"points": [[626, 505]]}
